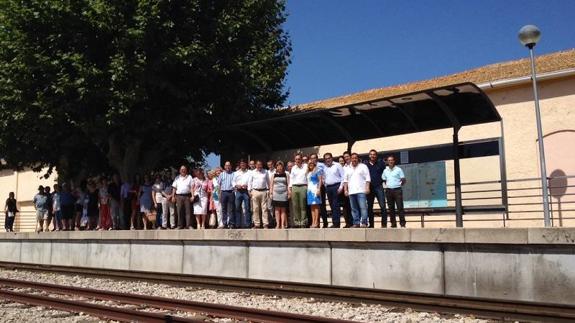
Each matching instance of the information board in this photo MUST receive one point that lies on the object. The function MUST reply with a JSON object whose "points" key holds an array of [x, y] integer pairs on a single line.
{"points": [[425, 185]]}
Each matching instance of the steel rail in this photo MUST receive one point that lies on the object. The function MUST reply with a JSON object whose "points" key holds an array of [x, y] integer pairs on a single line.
{"points": [[218, 310], [108, 312], [484, 307]]}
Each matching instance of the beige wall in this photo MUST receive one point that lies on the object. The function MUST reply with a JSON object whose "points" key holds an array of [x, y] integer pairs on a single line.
{"points": [[24, 184]]}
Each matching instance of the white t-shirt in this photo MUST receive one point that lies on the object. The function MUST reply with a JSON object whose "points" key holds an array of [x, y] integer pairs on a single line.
{"points": [[183, 185], [258, 180], [356, 178], [298, 176], [241, 178]]}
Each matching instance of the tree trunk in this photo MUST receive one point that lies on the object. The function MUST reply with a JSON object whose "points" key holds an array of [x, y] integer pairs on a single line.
{"points": [[129, 158]]}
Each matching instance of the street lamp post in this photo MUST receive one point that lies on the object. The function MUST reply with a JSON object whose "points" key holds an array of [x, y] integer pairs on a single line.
{"points": [[529, 35]]}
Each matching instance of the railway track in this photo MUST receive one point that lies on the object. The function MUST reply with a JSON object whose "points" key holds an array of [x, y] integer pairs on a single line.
{"points": [[31, 296], [480, 307]]}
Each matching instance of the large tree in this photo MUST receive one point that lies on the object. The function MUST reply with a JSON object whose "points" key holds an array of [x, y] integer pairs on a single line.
{"points": [[93, 85]]}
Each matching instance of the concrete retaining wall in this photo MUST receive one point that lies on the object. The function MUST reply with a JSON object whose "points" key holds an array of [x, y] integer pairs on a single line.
{"points": [[519, 264]]}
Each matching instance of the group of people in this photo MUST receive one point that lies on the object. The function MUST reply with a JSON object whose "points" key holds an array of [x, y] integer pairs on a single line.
{"points": [[250, 195]]}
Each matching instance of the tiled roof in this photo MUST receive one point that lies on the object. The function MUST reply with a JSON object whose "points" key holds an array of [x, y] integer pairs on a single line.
{"points": [[489, 73]]}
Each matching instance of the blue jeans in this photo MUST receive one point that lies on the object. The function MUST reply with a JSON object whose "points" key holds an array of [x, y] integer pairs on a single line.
{"points": [[228, 201], [58, 220], [332, 197], [243, 196], [376, 191], [358, 208]]}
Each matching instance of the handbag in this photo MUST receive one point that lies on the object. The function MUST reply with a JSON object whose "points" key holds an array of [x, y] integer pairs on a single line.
{"points": [[196, 199], [84, 220], [212, 222]]}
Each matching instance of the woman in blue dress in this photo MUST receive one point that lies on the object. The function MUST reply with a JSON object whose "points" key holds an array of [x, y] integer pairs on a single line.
{"points": [[146, 192], [314, 183]]}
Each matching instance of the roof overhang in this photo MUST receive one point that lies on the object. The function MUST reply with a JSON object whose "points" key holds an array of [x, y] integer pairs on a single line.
{"points": [[452, 106]]}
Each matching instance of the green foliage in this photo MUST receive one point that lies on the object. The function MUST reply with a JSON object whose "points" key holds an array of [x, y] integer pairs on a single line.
{"points": [[133, 84]]}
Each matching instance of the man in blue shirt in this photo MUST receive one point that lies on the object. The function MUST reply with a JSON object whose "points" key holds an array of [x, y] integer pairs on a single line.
{"points": [[376, 168], [394, 179], [227, 199]]}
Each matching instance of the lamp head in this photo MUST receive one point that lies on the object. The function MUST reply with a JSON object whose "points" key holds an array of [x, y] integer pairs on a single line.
{"points": [[529, 35]]}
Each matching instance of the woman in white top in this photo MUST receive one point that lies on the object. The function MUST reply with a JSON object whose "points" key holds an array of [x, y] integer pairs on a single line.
{"points": [[200, 189]]}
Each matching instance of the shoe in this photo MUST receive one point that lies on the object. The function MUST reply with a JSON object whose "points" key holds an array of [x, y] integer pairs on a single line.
{"points": [[347, 226], [355, 226], [266, 226], [333, 226], [403, 226], [363, 226], [384, 225], [394, 225]]}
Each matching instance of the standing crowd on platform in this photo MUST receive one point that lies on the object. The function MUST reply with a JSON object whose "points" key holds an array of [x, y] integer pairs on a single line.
{"points": [[250, 195]]}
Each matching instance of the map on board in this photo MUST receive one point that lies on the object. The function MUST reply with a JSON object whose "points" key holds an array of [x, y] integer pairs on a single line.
{"points": [[425, 185]]}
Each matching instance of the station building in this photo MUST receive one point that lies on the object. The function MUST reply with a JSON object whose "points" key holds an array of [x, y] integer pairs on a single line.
{"points": [[509, 177]]}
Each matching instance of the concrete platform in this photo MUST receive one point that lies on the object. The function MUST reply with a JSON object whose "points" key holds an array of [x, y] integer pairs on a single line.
{"points": [[561, 236], [533, 264]]}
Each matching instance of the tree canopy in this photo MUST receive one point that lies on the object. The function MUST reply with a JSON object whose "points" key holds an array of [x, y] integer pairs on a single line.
{"points": [[131, 85]]}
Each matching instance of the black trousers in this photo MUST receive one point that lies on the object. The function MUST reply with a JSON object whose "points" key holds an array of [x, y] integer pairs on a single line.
{"points": [[394, 197], [322, 209], [127, 214], [184, 211], [9, 222]]}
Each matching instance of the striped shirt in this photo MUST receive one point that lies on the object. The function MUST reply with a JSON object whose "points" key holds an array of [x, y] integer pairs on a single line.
{"points": [[226, 181]]}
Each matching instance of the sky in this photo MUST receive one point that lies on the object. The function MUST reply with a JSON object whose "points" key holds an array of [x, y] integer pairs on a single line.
{"points": [[346, 46]]}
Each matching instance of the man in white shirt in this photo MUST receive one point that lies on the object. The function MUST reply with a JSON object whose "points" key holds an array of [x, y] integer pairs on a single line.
{"points": [[258, 186], [346, 206], [333, 179], [182, 194], [298, 190], [240, 182], [356, 186], [271, 164]]}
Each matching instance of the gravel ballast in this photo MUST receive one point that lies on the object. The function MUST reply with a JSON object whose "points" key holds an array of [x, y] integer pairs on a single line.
{"points": [[12, 312]]}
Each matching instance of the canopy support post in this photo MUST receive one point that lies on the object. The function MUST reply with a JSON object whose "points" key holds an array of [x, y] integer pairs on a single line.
{"points": [[457, 177], [503, 172], [456, 169], [349, 145]]}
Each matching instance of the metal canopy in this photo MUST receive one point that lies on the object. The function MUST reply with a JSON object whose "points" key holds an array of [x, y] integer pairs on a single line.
{"points": [[453, 106]]}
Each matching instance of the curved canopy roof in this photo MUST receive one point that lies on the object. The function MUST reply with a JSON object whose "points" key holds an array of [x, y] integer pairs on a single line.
{"points": [[453, 106]]}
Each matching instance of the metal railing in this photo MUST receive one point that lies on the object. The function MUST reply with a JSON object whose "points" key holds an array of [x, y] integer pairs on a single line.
{"points": [[523, 199]]}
